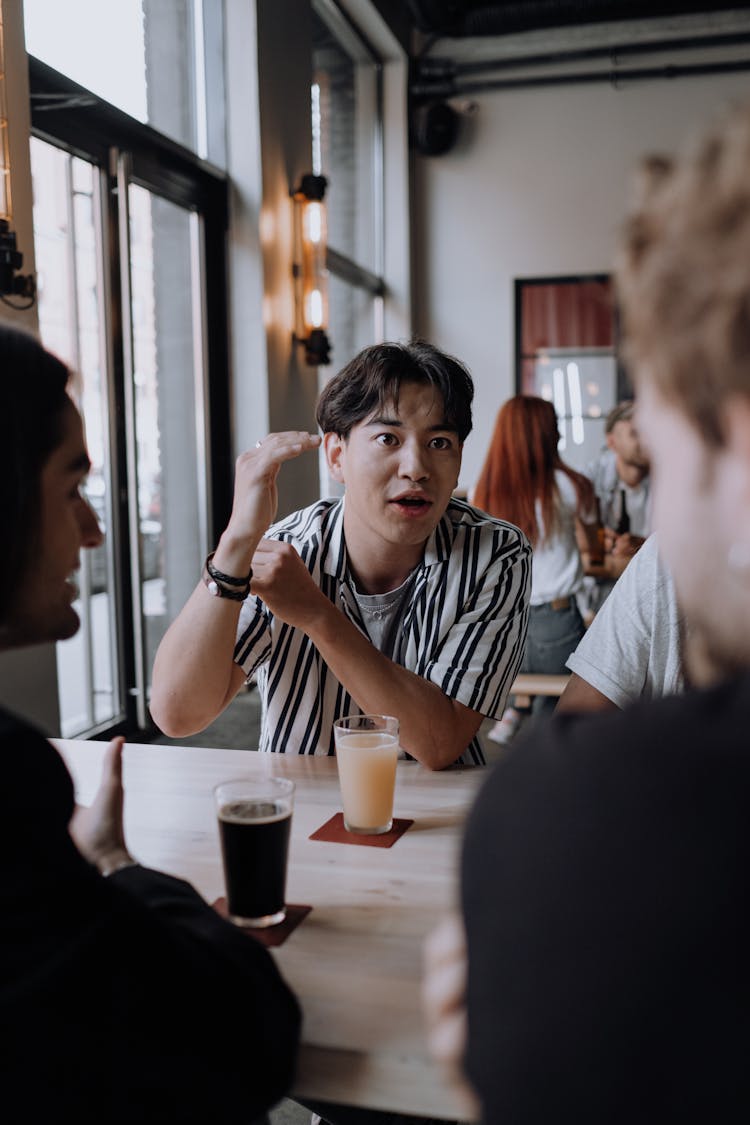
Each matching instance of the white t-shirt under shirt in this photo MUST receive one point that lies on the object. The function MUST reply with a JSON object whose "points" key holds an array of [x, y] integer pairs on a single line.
{"points": [[383, 614], [556, 567], [631, 650]]}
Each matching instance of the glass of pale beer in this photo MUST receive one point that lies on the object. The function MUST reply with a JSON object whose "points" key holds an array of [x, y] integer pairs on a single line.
{"points": [[255, 818], [366, 754]]}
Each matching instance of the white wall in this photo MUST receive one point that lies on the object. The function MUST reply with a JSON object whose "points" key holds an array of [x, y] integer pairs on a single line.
{"points": [[536, 185]]}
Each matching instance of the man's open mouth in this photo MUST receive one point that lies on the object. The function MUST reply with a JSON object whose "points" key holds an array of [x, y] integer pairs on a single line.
{"points": [[412, 503]]}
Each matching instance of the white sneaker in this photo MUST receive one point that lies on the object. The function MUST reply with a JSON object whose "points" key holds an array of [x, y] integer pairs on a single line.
{"points": [[505, 729]]}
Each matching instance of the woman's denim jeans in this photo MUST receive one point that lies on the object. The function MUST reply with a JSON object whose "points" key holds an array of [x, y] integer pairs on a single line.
{"points": [[553, 634]]}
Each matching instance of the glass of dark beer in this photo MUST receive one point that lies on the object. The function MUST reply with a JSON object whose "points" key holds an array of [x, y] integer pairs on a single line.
{"points": [[255, 818]]}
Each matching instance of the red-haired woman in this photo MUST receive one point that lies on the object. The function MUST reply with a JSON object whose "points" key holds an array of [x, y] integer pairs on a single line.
{"points": [[525, 482]]}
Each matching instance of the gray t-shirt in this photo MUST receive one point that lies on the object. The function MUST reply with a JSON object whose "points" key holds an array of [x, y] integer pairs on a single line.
{"points": [[632, 649], [383, 614]]}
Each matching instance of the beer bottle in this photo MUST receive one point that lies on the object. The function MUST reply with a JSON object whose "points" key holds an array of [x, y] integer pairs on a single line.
{"points": [[623, 523]]}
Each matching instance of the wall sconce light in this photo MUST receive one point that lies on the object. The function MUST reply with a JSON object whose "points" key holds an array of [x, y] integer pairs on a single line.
{"points": [[310, 269], [11, 258]]}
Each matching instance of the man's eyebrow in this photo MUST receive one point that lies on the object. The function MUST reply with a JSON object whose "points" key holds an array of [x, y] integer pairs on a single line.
{"points": [[383, 420]]}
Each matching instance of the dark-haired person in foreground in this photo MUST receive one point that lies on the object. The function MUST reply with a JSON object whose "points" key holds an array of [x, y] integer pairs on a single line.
{"points": [[605, 865], [396, 599], [121, 990]]}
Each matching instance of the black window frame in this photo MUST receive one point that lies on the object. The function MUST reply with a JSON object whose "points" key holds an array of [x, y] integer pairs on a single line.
{"points": [[72, 118]]}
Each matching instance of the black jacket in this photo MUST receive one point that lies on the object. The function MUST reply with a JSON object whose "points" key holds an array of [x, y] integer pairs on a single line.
{"points": [[606, 893], [125, 999]]}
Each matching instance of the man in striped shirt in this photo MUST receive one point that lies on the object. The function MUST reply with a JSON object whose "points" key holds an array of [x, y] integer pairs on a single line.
{"points": [[396, 598]]}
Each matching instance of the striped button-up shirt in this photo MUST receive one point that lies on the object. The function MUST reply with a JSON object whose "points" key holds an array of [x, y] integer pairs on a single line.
{"points": [[464, 628]]}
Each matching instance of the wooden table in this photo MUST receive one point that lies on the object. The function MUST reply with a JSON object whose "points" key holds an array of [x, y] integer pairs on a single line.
{"points": [[355, 962]]}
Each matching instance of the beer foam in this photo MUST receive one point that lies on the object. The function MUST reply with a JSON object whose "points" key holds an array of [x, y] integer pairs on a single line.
{"points": [[367, 740], [254, 812]]}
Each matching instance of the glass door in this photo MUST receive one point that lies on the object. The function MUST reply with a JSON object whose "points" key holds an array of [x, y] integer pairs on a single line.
{"points": [[121, 300], [68, 237], [165, 413], [130, 235]]}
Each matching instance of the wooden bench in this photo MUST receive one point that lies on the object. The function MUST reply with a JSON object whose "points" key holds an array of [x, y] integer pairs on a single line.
{"points": [[527, 684]]}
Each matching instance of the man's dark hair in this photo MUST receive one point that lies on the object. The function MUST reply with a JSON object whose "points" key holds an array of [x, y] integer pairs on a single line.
{"points": [[374, 377], [33, 398]]}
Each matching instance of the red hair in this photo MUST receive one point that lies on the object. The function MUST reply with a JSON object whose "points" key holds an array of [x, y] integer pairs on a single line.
{"points": [[520, 468]]}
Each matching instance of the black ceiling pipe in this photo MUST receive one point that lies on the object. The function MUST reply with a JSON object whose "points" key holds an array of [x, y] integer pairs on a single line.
{"points": [[439, 77], [458, 19], [442, 17], [582, 78], [447, 68]]}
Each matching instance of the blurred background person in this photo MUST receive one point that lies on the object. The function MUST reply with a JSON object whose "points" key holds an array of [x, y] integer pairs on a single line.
{"points": [[524, 481], [620, 476]]}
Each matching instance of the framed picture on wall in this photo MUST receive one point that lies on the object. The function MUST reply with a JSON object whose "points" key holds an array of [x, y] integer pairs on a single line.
{"points": [[566, 352]]}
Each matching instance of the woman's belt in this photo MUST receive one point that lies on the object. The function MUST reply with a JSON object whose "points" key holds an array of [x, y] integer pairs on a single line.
{"points": [[557, 603]]}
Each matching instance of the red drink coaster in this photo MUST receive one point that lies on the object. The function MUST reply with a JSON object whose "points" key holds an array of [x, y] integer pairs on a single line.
{"points": [[270, 935], [333, 832]]}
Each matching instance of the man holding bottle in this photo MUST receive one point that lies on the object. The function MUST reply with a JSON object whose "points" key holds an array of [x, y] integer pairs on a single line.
{"points": [[620, 476]]}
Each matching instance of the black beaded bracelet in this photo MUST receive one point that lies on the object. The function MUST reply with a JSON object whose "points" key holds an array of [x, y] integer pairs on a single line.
{"points": [[225, 585]]}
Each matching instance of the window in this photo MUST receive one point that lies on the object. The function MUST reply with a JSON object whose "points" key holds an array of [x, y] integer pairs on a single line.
{"points": [[129, 237], [150, 58], [566, 353], [67, 247]]}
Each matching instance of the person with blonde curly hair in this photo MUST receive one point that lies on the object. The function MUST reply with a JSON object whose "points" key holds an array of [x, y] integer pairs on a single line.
{"points": [[605, 864]]}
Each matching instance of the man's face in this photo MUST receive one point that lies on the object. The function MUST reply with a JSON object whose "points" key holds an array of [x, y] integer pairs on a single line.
{"points": [[400, 466], [624, 440], [699, 500], [43, 609]]}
